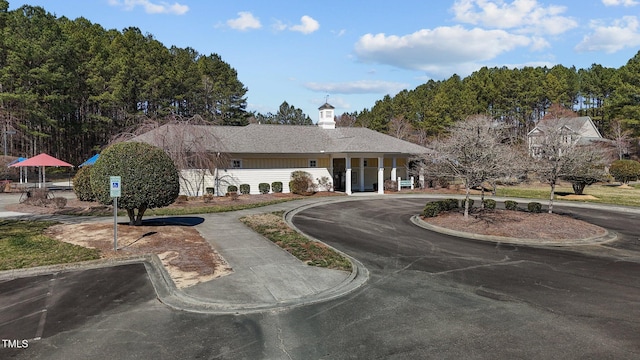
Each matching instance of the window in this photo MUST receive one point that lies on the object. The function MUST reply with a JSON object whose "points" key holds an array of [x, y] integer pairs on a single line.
{"points": [[313, 163], [236, 164], [365, 163]]}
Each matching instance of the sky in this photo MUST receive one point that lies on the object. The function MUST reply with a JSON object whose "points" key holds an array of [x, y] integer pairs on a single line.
{"points": [[353, 53]]}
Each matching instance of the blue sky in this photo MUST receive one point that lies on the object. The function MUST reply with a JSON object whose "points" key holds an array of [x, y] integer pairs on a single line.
{"points": [[357, 51]]}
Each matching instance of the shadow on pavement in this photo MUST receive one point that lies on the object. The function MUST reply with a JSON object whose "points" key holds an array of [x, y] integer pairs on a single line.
{"points": [[173, 220]]}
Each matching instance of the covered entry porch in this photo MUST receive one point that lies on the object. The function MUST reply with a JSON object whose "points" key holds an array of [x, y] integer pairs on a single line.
{"points": [[366, 172]]}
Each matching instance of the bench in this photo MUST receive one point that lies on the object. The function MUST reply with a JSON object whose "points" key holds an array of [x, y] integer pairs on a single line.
{"points": [[405, 183]]}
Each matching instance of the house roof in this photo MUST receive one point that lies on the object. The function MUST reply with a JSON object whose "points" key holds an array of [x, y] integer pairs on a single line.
{"points": [[582, 125], [292, 139], [326, 106]]}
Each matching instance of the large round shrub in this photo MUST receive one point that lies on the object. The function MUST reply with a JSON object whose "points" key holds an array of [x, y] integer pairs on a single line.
{"points": [[625, 170], [149, 179], [82, 184], [301, 183]]}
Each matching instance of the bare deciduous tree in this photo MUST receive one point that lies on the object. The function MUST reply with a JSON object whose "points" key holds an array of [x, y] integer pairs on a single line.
{"points": [[473, 153], [188, 142], [400, 128], [559, 156], [621, 138]]}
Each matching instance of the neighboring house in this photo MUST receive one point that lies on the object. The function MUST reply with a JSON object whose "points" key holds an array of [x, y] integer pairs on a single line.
{"points": [[576, 131], [352, 159]]}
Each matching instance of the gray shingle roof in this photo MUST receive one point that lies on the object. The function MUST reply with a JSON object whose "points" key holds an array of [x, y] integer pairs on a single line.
{"points": [[582, 125], [295, 139]]}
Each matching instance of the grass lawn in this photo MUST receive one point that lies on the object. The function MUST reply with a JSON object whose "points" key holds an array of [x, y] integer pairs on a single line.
{"points": [[600, 193], [273, 227], [23, 245]]}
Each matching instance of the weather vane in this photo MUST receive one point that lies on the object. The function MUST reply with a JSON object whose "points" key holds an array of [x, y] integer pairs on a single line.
{"points": [[326, 99]]}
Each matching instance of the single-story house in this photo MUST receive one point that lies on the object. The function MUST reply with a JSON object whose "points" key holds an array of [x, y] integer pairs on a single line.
{"points": [[349, 159]]}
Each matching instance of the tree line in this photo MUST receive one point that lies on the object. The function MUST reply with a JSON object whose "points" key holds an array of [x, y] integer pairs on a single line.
{"points": [[68, 86], [518, 97]]}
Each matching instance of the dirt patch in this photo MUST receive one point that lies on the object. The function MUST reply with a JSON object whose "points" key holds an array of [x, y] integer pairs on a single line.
{"points": [[577, 197], [519, 224], [185, 254]]}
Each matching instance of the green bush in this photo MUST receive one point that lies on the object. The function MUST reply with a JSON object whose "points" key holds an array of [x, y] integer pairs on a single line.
{"points": [[264, 188], [470, 203], [276, 186], [449, 204], [149, 178], [82, 184], [489, 204], [431, 209], [534, 207], [245, 189], [625, 170], [232, 188], [511, 205]]}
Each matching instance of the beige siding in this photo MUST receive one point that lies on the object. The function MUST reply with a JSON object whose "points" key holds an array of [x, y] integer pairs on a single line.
{"points": [[254, 177], [282, 163]]}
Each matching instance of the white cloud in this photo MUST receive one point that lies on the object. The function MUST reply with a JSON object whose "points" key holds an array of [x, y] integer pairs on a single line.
{"points": [[279, 26], [307, 25], [161, 7], [358, 87], [524, 16], [430, 50], [620, 2], [339, 33], [622, 33], [245, 21]]}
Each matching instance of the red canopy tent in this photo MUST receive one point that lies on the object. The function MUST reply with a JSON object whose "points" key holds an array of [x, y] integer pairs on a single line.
{"points": [[41, 161]]}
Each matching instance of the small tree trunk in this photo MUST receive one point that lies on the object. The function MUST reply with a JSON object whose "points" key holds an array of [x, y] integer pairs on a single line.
{"points": [[141, 211], [553, 190], [466, 201], [481, 196], [578, 187], [132, 216]]}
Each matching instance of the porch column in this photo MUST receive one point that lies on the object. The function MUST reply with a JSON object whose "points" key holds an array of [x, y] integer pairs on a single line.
{"points": [[361, 178], [380, 175], [393, 169], [347, 180], [333, 176]]}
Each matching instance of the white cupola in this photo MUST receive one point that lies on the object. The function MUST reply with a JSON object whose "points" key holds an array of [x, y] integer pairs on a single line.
{"points": [[326, 116]]}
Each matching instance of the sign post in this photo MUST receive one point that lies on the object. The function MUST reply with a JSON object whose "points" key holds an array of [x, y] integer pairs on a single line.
{"points": [[115, 192]]}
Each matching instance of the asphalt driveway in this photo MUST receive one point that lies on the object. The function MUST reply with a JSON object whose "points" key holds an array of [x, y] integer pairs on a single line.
{"points": [[428, 296]]}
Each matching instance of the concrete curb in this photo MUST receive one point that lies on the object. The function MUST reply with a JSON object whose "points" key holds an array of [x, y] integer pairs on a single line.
{"points": [[595, 240], [168, 294]]}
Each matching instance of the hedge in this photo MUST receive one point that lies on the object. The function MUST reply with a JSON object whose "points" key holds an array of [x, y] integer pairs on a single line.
{"points": [[511, 205], [534, 207], [264, 188]]}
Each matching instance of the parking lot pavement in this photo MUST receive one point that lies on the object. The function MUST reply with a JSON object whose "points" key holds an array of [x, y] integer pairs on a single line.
{"points": [[32, 308]]}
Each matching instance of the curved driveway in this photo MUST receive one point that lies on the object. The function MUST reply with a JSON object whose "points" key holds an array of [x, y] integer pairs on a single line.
{"points": [[463, 297], [428, 296]]}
